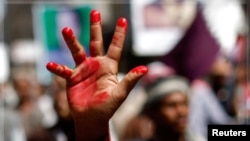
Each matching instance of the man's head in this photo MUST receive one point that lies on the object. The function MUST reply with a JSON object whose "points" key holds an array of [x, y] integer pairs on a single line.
{"points": [[172, 112], [168, 103]]}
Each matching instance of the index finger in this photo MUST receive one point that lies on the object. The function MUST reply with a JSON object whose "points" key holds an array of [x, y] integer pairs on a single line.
{"points": [[116, 46], [74, 46]]}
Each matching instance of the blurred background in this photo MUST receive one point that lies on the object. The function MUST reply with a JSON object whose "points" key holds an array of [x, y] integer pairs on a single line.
{"points": [[198, 39]]}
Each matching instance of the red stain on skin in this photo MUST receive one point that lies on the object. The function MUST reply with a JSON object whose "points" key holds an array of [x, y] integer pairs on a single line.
{"points": [[84, 70], [51, 66], [63, 72], [66, 73], [115, 40], [82, 87], [92, 48], [122, 22], [92, 37], [80, 58], [140, 69], [95, 16], [85, 97], [67, 33], [99, 98]]}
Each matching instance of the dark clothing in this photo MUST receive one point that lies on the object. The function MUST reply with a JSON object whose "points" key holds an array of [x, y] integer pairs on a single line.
{"points": [[64, 127]]}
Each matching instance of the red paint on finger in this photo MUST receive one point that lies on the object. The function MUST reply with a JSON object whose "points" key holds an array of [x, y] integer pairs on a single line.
{"points": [[52, 66], [115, 40], [122, 22], [95, 16], [79, 58], [67, 33], [140, 69], [66, 73], [93, 48]]}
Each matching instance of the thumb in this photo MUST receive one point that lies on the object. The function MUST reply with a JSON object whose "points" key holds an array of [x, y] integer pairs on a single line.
{"points": [[130, 79]]}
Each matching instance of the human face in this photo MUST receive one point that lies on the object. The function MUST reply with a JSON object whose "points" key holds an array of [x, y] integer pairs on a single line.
{"points": [[173, 111]]}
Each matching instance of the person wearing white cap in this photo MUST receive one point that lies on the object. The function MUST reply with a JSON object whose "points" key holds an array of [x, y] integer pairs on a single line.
{"points": [[166, 112]]}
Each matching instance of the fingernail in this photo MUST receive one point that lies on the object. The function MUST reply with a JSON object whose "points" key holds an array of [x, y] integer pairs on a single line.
{"points": [[122, 22], [140, 69], [95, 16], [51, 66], [67, 33]]}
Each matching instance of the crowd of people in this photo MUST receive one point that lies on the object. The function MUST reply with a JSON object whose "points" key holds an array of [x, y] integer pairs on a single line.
{"points": [[173, 98]]}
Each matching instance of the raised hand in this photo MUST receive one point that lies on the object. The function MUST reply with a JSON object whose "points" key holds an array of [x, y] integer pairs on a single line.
{"points": [[93, 90]]}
